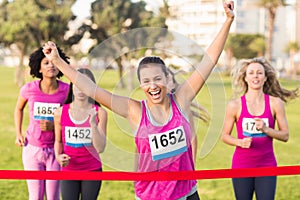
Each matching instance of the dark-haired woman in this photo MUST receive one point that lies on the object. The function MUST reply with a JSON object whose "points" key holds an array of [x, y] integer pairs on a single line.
{"points": [[43, 97], [80, 135], [161, 127]]}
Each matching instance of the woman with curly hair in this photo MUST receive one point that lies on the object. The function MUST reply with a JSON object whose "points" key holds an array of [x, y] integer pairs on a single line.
{"points": [[255, 113], [43, 97]]}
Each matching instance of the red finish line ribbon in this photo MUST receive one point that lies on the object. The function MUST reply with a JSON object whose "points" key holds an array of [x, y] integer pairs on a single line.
{"points": [[150, 176]]}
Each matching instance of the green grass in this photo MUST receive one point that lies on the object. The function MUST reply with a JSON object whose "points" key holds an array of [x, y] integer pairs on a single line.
{"points": [[118, 155]]}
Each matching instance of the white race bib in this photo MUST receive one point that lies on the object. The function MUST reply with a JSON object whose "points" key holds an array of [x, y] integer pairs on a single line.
{"points": [[44, 111], [249, 127], [167, 144], [78, 136]]}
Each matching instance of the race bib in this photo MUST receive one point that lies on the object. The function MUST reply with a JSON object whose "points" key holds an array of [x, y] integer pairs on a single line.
{"points": [[44, 111], [250, 130], [167, 144], [78, 136]]}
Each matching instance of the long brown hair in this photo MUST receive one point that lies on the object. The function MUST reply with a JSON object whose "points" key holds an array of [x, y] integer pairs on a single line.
{"points": [[197, 110], [271, 87]]}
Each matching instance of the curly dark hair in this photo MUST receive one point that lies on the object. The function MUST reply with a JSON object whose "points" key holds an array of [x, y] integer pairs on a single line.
{"points": [[151, 60], [36, 58]]}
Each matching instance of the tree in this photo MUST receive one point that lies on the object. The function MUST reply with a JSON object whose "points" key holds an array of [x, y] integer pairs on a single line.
{"points": [[258, 45], [292, 48], [252, 45], [29, 23], [112, 17], [271, 6]]}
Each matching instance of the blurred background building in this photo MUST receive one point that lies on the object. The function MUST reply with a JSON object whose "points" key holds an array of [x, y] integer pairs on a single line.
{"points": [[200, 20]]}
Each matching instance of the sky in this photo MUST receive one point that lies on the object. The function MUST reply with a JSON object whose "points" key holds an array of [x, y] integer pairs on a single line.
{"points": [[81, 8]]}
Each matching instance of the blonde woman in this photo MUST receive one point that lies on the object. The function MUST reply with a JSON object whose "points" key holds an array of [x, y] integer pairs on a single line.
{"points": [[255, 113]]}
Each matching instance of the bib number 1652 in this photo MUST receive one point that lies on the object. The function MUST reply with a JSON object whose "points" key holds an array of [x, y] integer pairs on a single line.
{"points": [[167, 144], [170, 138]]}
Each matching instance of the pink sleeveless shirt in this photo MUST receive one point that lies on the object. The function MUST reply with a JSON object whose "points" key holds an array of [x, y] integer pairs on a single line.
{"points": [[41, 107], [77, 143], [164, 148], [260, 153]]}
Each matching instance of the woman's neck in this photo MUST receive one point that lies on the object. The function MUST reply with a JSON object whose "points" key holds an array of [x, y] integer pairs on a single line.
{"points": [[160, 112], [77, 104], [79, 110], [254, 95], [48, 86]]}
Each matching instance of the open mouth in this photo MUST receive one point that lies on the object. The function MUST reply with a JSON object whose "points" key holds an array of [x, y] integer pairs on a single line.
{"points": [[155, 94]]}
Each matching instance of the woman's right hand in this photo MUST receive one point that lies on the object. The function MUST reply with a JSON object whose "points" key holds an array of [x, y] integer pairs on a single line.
{"points": [[63, 159], [50, 51], [245, 142], [228, 8], [20, 140]]}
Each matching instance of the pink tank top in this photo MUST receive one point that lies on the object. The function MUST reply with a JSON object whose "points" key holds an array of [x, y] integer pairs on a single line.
{"points": [[164, 148], [260, 153], [41, 107], [77, 143]]}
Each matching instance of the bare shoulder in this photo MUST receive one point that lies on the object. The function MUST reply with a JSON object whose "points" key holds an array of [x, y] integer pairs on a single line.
{"points": [[234, 104], [276, 103], [234, 108], [102, 111], [135, 112]]}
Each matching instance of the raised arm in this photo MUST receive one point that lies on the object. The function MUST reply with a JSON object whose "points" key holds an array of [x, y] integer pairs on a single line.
{"points": [[189, 89], [118, 104]]}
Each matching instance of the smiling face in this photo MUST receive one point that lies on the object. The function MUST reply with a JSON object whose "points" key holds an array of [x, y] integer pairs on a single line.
{"points": [[255, 76], [47, 69], [153, 81]]}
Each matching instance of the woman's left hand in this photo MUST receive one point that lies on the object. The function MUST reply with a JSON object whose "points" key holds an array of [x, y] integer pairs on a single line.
{"points": [[93, 113], [260, 124], [46, 125]]}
